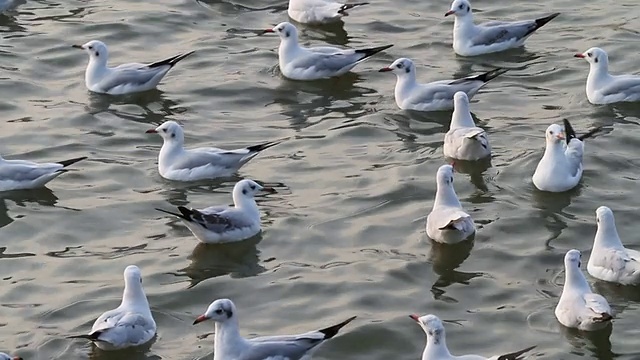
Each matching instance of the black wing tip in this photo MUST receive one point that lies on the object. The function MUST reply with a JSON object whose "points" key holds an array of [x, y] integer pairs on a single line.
{"points": [[543, 21], [516, 354], [569, 133], [187, 213], [91, 337], [604, 317], [331, 331], [66, 163], [372, 51], [492, 74], [346, 7], [172, 61], [264, 146], [182, 215]]}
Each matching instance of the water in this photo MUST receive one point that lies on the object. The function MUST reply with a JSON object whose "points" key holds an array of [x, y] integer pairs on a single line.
{"points": [[345, 234]]}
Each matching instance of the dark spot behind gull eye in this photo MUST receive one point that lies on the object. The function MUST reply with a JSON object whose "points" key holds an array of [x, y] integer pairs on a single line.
{"points": [[97, 53], [287, 34], [596, 60], [244, 191], [173, 135]]}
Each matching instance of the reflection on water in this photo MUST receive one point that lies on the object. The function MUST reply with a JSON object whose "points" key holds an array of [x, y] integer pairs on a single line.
{"points": [[153, 107], [597, 343], [446, 258], [239, 259], [22, 198]]}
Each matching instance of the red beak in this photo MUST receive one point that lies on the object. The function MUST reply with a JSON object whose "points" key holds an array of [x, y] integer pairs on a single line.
{"points": [[415, 317], [151, 131], [268, 31], [450, 12], [385, 69], [579, 56], [17, 358], [200, 319]]}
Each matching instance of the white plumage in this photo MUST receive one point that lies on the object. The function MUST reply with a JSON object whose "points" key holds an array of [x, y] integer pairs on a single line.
{"points": [[464, 140]]}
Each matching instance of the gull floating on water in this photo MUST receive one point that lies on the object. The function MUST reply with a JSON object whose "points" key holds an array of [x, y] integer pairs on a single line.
{"points": [[609, 260], [604, 88], [560, 168], [300, 63], [319, 11], [437, 349], [130, 324], [470, 39], [229, 344], [438, 95], [221, 224], [4, 356], [180, 164], [464, 140], [23, 174], [578, 307], [447, 222], [125, 78]]}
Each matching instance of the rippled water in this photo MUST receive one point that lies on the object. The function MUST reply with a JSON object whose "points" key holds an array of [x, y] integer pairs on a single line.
{"points": [[345, 234]]}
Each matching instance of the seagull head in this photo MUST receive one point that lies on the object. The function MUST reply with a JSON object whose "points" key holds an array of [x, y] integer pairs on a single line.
{"points": [[572, 259], [432, 326], [248, 189], [97, 50], [132, 275], [460, 100], [170, 131], [596, 57], [401, 67], [607, 223], [4, 356], [459, 8], [219, 311], [286, 31], [444, 176], [554, 134]]}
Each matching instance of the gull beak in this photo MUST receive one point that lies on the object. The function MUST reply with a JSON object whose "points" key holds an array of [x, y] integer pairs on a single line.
{"points": [[560, 136], [450, 12], [579, 56], [385, 69], [77, 47], [268, 31], [200, 319], [151, 131], [415, 317], [16, 358]]}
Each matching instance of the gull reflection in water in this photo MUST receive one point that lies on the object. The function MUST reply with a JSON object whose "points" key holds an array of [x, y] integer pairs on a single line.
{"points": [[22, 198], [446, 258], [595, 342]]}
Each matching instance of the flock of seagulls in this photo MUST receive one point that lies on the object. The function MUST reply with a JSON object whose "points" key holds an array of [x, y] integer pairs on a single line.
{"points": [[559, 170]]}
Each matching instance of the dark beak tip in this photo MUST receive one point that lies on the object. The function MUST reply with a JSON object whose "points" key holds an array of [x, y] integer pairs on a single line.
{"points": [[386, 69], [77, 46], [151, 131]]}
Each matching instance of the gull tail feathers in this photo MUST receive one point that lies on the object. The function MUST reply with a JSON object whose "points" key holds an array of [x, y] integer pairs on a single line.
{"points": [[170, 61], [331, 331], [91, 337], [346, 7], [185, 213], [264, 146], [604, 317], [543, 21], [371, 51], [516, 355], [66, 163], [455, 224]]}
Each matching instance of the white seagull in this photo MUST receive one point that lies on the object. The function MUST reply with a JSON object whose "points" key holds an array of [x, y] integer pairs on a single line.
{"points": [[604, 88], [4, 356], [24, 174], [464, 140], [130, 324], [221, 224], [125, 78], [578, 307], [447, 222], [470, 39], [317, 12], [560, 168], [437, 95], [300, 63], [230, 345], [609, 260], [180, 164], [437, 349]]}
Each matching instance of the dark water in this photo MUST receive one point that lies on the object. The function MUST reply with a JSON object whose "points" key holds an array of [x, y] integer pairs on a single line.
{"points": [[345, 234]]}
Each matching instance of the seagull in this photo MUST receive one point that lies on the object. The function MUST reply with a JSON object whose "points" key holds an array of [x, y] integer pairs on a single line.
{"points": [[180, 164], [578, 307], [229, 344], [315, 12], [222, 224], [464, 140], [125, 78], [23, 174], [560, 168], [448, 223], [436, 95], [604, 88], [437, 349], [6, 5], [470, 39], [4, 356], [300, 63], [609, 260], [130, 324]]}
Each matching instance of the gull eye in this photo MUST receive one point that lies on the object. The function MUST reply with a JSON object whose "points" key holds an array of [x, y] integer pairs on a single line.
{"points": [[253, 187], [280, 28], [399, 66], [173, 135], [164, 130], [90, 47], [595, 59], [219, 311], [589, 54]]}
